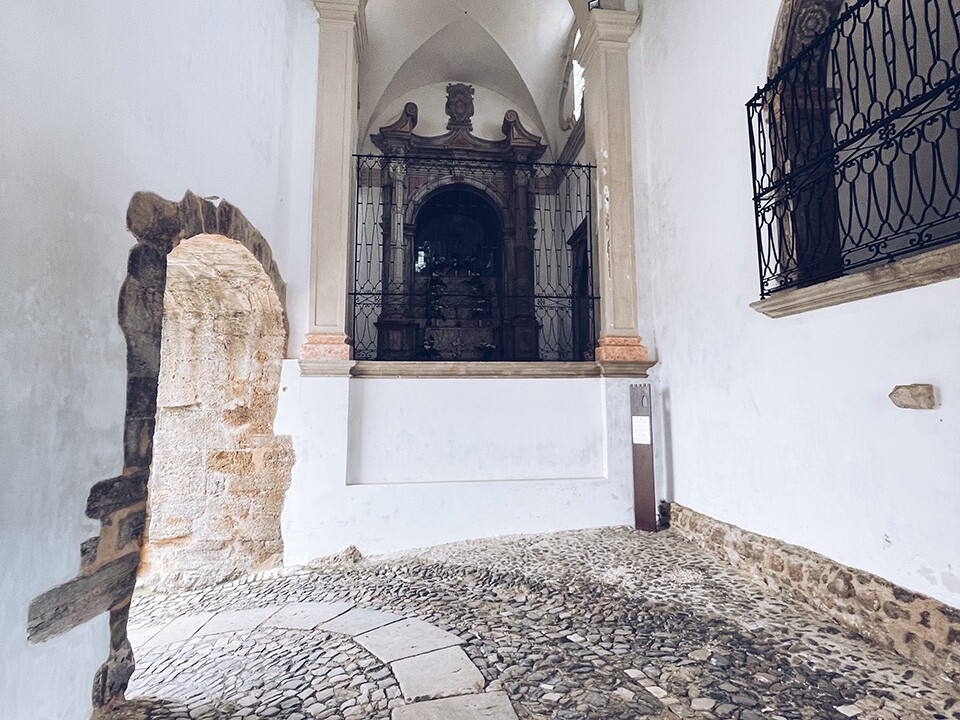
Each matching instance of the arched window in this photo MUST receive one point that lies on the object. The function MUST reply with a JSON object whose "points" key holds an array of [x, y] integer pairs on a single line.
{"points": [[578, 81], [855, 138], [574, 86]]}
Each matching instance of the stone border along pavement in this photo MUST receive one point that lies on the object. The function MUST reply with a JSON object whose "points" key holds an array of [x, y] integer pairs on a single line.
{"points": [[436, 678]]}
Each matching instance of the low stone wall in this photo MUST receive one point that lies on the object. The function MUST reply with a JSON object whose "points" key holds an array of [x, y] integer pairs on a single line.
{"points": [[913, 625]]}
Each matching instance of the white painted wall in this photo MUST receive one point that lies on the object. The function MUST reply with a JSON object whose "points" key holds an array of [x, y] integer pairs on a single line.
{"points": [[452, 430], [100, 100], [393, 464], [783, 426]]}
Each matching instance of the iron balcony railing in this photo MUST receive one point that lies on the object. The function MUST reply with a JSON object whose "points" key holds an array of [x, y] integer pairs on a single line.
{"points": [[466, 259], [855, 144]]}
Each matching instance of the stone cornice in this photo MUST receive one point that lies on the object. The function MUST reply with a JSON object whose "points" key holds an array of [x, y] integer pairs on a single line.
{"points": [[502, 370], [930, 267], [605, 28], [353, 12]]}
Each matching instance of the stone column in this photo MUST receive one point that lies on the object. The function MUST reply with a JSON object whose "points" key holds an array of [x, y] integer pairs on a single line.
{"points": [[342, 35], [603, 54], [395, 281], [395, 331]]}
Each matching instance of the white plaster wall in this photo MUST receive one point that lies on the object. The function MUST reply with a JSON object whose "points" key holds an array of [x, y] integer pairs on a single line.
{"points": [[500, 457], [783, 426], [100, 100], [451, 430]]}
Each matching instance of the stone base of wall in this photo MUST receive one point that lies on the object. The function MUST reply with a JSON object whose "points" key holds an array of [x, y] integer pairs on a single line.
{"points": [[913, 625]]}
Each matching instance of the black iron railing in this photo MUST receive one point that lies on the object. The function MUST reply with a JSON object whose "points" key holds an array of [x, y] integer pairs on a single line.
{"points": [[465, 259], [855, 144]]}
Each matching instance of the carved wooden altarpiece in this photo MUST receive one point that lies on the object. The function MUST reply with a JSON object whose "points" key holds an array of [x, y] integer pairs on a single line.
{"points": [[458, 239]]}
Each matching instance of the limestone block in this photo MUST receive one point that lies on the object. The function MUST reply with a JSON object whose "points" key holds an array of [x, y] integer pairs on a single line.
{"points": [[131, 528], [178, 630], [438, 674], [915, 626], [236, 620], [307, 615], [220, 475], [108, 496], [112, 677], [153, 220], [914, 397], [88, 551], [486, 706], [359, 620], [405, 639]]}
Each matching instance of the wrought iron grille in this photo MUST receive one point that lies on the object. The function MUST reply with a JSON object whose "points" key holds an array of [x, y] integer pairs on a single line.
{"points": [[464, 259], [855, 144]]}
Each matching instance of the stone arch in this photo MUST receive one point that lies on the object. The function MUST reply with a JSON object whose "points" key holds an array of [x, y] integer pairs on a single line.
{"points": [[799, 22], [800, 121], [109, 561], [488, 190]]}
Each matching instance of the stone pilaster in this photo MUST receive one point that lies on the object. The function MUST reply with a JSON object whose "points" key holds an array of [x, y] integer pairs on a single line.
{"points": [[342, 36], [603, 53]]}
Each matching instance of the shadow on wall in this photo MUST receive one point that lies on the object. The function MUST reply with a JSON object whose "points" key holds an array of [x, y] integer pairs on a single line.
{"points": [[109, 561]]}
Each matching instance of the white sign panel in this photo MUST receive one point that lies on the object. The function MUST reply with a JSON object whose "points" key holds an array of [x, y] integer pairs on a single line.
{"points": [[641, 430]]}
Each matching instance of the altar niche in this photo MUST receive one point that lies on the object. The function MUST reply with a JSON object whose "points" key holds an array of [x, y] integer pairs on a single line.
{"points": [[467, 248], [457, 304]]}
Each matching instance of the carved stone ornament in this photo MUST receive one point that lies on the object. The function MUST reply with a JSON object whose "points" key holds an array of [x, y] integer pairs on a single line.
{"points": [[460, 106], [799, 22], [517, 144]]}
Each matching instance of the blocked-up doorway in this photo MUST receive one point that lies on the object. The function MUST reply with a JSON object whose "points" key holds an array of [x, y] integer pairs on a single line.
{"points": [[219, 473]]}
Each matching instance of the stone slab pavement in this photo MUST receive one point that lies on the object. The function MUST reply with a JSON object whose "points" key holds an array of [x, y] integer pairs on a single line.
{"points": [[437, 674], [359, 621], [488, 706], [406, 638]]}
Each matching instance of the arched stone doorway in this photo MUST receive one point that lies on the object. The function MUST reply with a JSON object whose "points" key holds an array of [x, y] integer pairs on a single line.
{"points": [[110, 560], [219, 473]]}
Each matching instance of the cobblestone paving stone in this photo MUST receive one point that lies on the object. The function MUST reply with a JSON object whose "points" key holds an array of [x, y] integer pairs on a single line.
{"points": [[606, 624]]}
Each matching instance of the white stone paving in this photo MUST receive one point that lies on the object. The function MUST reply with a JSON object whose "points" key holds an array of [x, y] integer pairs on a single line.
{"points": [[587, 625], [406, 638], [488, 706], [438, 674], [426, 661], [178, 630], [306, 615], [360, 620], [236, 620]]}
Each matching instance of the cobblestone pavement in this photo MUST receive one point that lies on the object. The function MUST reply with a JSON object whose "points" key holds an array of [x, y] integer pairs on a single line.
{"points": [[604, 624]]}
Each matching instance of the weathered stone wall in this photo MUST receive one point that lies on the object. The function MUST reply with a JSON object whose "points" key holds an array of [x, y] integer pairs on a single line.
{"points": [[109, 561], [913, 625], [219, 474]]}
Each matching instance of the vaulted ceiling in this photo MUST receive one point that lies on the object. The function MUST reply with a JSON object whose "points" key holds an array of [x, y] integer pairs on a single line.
{"points": [[514, 47]]}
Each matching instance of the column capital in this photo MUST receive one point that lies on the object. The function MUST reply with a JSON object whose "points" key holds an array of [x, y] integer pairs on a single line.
{"points": [[605, 27], [345, 11]]}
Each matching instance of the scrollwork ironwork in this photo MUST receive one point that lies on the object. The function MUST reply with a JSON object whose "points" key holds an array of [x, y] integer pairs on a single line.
{"points": [[855, 139]]}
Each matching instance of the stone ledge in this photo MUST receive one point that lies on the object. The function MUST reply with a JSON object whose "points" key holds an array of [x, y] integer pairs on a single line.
{"points": [[915, 626], [507, 370], [931, 267]]}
